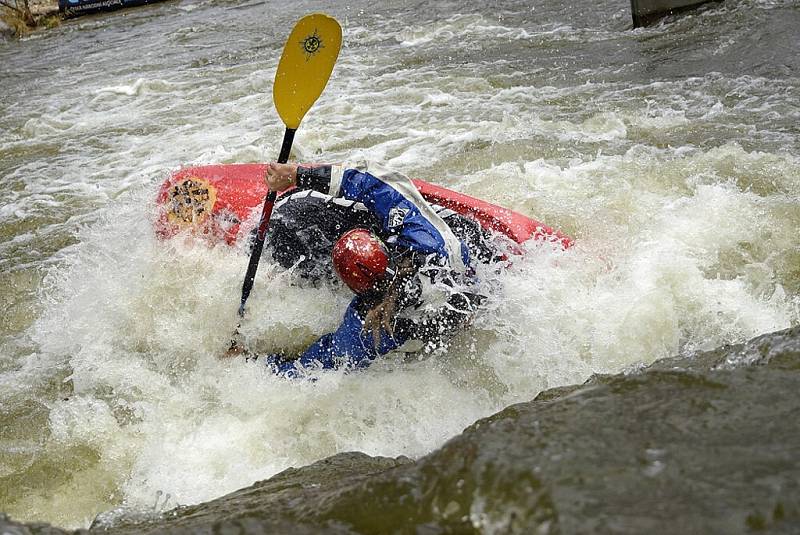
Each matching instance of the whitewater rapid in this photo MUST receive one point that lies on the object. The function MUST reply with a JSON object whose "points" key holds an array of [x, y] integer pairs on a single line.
{"points": [[681, 197]]}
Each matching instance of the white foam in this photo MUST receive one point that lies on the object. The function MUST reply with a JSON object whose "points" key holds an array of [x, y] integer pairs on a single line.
{"points": [[682, 243], [139, 87], [640, 283]]}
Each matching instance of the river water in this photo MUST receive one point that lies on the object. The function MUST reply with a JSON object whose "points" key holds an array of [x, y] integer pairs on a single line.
{"points": [[671, 154]]}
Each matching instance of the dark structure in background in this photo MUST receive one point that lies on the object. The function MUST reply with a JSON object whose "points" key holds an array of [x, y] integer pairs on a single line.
{"points": [[73, 8], [646, 12]]}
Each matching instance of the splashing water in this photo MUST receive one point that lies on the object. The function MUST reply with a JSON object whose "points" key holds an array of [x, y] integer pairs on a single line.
{"points": [[680, 189]]}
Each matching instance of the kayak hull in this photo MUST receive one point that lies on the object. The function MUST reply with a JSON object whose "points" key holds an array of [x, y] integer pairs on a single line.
{"points": [[211, 201]]}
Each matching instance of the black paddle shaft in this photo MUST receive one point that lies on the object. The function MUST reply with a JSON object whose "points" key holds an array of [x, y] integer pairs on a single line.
{"points": [[266, 212]]}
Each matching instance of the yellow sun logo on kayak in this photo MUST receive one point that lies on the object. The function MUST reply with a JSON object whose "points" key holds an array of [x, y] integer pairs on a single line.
{"points": [[190, 201], [311, 44]]}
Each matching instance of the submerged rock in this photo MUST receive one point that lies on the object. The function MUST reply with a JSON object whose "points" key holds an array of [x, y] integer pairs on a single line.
{"points": [[708, 443]]}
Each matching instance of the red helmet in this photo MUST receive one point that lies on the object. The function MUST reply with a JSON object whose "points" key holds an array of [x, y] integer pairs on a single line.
{"points": [[361, 260]]}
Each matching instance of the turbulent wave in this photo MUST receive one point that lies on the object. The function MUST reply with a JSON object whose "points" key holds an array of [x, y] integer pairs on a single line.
{"points": [[674, 166]]}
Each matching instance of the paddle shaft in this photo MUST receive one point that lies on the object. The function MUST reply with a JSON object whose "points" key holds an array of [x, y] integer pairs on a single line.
{"points": [[263, 225]]}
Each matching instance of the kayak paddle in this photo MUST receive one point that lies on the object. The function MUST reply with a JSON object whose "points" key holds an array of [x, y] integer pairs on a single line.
{"points": [[303, 71]]}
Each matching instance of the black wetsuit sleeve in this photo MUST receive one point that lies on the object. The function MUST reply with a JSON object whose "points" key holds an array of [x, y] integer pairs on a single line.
{"points": [[317, 178], [450, 319], [441, 325]]}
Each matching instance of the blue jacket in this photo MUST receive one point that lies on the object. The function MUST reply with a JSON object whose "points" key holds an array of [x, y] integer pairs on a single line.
{"points": [[409, 223]]}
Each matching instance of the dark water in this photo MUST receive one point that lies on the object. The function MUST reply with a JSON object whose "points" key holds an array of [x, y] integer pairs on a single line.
{"points": [[669, 153]]}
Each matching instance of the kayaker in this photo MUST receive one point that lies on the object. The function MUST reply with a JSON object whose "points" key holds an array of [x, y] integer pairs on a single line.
{"points": [[409, 263]]}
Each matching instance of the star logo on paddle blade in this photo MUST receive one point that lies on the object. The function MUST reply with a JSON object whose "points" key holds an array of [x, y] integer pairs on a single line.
{"points": [[311, 44]]}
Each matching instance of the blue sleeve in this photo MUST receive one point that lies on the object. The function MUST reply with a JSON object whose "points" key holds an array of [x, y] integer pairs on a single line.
{"points": [[398, 216], [348, 346]]}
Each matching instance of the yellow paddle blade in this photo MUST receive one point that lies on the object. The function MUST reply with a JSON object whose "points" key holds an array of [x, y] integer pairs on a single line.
{"points": [[305, 66]]}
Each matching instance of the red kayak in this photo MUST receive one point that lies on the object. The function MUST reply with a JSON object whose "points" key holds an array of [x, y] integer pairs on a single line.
{"points": [[213, 200]]}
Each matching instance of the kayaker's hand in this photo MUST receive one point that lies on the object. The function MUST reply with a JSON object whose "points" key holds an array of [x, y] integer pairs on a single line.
{"points": [[233, 351], [237, 347], [280, 176]]}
